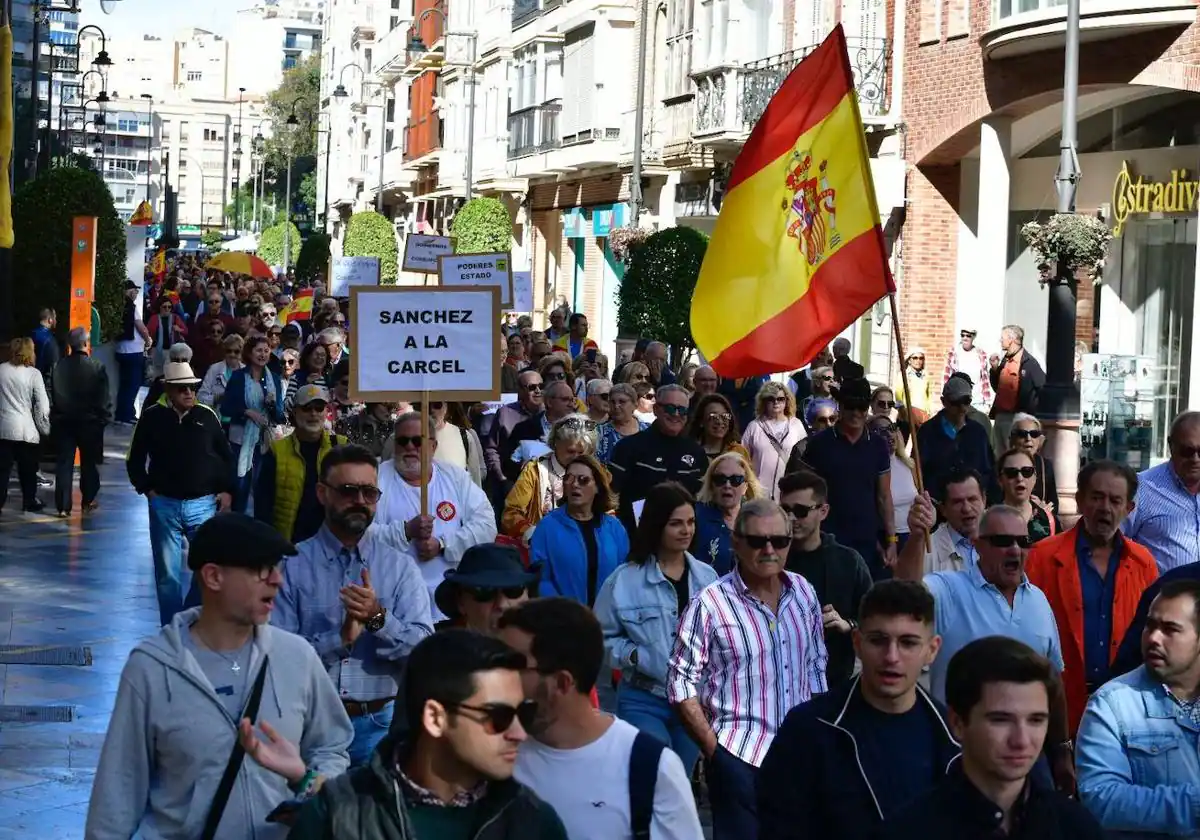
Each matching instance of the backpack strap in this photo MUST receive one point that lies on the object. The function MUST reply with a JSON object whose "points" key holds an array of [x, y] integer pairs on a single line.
{"points": [[643, 776]]}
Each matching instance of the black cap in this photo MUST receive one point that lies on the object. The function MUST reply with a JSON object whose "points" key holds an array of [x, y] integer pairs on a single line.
{"points": [[129, 284], [235, 539], [485, 566], [852, 389]]}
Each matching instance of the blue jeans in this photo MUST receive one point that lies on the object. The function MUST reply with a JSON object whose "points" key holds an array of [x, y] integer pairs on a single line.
{"points": [[654, 716], [131, 369], [171, 520], [244, 485], [369, 730]]}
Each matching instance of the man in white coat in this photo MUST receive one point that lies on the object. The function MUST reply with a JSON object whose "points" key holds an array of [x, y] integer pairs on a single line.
{"points": [[459, 516]]}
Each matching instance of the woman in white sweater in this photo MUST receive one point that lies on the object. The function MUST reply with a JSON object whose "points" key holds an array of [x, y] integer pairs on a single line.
{"points": [[24, 418]]}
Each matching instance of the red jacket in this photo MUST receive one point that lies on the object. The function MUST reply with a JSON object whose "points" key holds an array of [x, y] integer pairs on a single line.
{"points": [[1052, 566]]}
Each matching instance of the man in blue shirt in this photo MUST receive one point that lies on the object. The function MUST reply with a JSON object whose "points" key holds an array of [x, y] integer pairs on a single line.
{"points": [[357, 596], [1166, 513]]}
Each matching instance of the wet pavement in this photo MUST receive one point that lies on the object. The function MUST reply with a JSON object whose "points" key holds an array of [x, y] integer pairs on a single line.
{"points": [[84, 581]]}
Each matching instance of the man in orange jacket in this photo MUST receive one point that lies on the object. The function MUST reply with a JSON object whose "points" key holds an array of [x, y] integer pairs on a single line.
{"points": [[1093, 577]]}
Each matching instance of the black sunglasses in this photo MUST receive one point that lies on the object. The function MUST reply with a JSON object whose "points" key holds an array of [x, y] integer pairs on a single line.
{"points": [[674, 410], [756, 541], [498, 717], [961, 402], [1186, 451], [405, 440], [484, 594], [1033, 434], [720, 480], [799, 511], [855, 405], [1013, 472], [369, 493], [1008, 540], [889, 404]]}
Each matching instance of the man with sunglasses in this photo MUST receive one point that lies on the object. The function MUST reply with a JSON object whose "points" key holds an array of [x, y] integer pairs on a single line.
{"points": [[838, 574], [951, 441], [597, 391], [559, 402], [451, 776], [489, 580], [1168, 498], [357, 596], [180, 460], [501, 476], [750, 647], [973, 361]]}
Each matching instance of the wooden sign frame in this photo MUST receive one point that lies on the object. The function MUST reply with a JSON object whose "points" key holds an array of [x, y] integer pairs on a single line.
{"points": [[404, 263], [491, 254]]}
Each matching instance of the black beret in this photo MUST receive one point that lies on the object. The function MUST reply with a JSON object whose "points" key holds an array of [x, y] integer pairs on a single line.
{"points": [[235, 539]]}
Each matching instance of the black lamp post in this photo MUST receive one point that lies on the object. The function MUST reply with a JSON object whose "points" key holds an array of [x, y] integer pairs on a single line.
{"points": [[237, 167]]}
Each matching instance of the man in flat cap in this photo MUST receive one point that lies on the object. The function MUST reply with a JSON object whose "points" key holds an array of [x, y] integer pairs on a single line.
{"points": [[214, 682]]}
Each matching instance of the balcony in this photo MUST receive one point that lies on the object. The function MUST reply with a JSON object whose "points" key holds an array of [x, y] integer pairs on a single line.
{"points": [[391, 53], [1020, 27], [364, 27], [730, 99], [525, 11], [534, 130]]}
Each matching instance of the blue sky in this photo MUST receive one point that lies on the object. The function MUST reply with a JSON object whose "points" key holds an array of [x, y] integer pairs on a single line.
{"points": [[163, 17]]}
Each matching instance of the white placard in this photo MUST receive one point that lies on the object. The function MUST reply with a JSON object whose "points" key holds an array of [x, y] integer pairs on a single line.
{"points": [[352, 271], [493, 407], [479, 270], [410, 342], [421, 252], [638, 507], [522, 282]]}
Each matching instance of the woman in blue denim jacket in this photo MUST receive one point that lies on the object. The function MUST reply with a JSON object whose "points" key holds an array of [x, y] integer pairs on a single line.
{"points": [[639, 608], [252, 404]]}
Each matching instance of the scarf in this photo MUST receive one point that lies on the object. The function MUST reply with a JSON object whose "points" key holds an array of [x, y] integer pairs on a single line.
{"points": [[257, 395]]}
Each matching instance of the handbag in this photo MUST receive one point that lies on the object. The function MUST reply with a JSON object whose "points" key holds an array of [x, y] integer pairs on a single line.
{"points": [[234, 766]]}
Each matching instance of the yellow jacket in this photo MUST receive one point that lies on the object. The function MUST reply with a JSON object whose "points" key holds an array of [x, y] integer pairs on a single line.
{"points": [[289, 478], [537, 492]]}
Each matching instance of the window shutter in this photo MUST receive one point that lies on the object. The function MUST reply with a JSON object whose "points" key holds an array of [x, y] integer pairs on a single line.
{"points": [[578, 85]]}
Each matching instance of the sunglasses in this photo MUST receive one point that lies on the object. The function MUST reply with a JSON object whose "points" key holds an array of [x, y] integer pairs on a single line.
{"points": [[720, 480], [759, 542], [369, 493], [719, 418], [855, 405], [405, 440], [674, 410], [962, 402], [1013, 472], [581, 480], [498, 717], [1182, 451], [883, 428], [826, 378], [316, 406], [799, 511], [576, 424], [1031, 434], [487, 594], [185, 388], [555, 377], [888, 404], [777, 399], [1008, 540], [533, 389]]}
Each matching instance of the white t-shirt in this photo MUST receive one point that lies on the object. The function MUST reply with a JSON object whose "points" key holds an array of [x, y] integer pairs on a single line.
{"points": [[589, 788]]}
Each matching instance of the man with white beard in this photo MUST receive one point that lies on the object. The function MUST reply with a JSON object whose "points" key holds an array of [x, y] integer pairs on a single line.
{"points": [[459, 516]]}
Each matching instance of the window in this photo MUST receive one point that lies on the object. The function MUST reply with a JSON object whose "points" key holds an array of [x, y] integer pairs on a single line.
{"points": [[525, 64], [579, 85], [289, 41], [289, 61], [210, 135], [679, 48]]}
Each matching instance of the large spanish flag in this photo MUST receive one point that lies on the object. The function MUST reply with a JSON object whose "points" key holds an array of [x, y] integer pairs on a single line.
{"points": [[797, 254]]}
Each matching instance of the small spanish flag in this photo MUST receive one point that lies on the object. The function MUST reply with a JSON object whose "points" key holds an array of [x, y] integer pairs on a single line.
{"points": [[143, 215], [797, 254], [158, 265], [300, 309]]}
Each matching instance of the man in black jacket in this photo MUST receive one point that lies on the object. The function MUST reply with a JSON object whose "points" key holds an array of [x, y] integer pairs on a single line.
{"points": [[560, 402], [951, 442], [500, 476], [998, 690], [80, 407], [845, 761], [188, 477], [454, 777]]}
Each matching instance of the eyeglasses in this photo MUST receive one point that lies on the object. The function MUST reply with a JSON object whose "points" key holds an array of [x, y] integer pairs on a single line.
{"points": [[828, 377], [759, 542], [486, 594], [576, 424], [291, 362], [799, 511], [721, 479], [883, 428], [888, 404], [777, 399], [369, 493], [407, 440], [1013, 472], [1032, 434], [315, 406], [674, 410], [535, 388], [719, 418], [1008, 540], [913, 358], [184, 388], [855, 405], [604, 396], [1181, 451], [581, 480], [498, 717], [555, 377]]}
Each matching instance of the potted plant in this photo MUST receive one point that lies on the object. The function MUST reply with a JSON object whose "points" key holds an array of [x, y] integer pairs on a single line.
{"points": [[1069, 245], [623, 241]]}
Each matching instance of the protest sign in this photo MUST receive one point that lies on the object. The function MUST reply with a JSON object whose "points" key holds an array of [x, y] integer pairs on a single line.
{"points": [[421, 252], [345, 272], [479, 270], [413, 341], [522, 291]]}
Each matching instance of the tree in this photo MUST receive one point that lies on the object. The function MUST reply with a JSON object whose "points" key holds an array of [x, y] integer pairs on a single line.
{"points": [[270, 244], [213, 241], [314, 256], [301, 86], [655, 296], [43, 210], [243, 199], [369, 234], [482, 226]]}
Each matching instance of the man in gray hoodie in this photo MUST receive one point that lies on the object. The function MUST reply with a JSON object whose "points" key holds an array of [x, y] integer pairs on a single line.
{"points": [[185, 693]]}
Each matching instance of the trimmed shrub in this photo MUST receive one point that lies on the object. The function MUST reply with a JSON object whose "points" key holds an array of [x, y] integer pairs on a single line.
{"points": [[270, 244], [369, 234], [655, 296], [482, 226], [314, 256]]}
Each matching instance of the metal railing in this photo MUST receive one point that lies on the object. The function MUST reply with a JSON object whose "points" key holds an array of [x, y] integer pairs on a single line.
{"points": [[533, 130]]}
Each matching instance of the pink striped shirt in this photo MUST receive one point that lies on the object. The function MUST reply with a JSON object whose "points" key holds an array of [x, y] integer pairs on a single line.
{"points": [[747, 666]]}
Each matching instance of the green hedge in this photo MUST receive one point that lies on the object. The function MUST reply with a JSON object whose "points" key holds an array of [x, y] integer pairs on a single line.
{"points": [[655, 296], [270, 244], [482, 226], [42, 212], [369, 234], [314, 257]]}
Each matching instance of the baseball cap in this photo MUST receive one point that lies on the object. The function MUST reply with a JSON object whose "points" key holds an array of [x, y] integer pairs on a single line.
{"points": [[309, 393], [237, 540]]}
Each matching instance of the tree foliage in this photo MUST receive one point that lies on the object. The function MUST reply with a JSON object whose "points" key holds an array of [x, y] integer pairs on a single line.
{"points": [[482, 226], [301, 86], [369, 234], [213, 241], [42, 213], [314, 256], [655, 296], [270, 244]]}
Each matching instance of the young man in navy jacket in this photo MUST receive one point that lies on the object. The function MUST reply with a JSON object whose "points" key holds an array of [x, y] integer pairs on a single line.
{"points": [[845, 761]]}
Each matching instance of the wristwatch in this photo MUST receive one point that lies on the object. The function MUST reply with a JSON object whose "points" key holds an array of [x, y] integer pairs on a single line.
{"points": [[375, 623]]}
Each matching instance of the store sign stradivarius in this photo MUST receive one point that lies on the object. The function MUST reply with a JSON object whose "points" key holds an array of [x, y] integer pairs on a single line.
{"points": [[1137, 196]]}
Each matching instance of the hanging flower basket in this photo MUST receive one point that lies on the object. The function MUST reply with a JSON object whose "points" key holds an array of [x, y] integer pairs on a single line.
{"points": [[625, 240], [1077, 242]]}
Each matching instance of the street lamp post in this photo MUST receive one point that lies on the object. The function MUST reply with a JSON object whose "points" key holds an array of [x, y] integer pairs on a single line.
{"points": [[63, 105], [149, 139], [100, 123], [203, 195], [287, 196], [340, 92], [258, 149], [237, 167]]}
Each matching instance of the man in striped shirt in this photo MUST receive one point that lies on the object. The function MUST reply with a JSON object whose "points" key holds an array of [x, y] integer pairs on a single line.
{"points": [[750, 648], [1166, 513]]}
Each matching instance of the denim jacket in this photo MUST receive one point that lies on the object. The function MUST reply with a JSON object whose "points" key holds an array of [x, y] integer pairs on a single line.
{"points": [[1137, 763], [638, 610]]}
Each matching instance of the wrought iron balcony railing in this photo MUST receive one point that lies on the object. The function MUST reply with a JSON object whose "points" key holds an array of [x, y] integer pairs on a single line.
{"points": [[533, 130]]}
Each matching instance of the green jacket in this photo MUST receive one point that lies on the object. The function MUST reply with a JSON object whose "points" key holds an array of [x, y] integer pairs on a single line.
{"points": [[368, 803]]}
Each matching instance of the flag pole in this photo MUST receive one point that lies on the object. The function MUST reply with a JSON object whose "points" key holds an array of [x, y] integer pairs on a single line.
{"points": [[908, 404]]}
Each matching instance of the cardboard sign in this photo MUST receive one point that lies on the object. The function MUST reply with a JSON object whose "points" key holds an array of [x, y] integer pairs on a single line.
{"points": [[345, 272], [479, 270], [421, 252], [522, 291], [413, 341]]}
